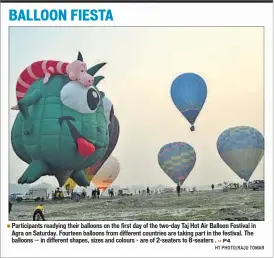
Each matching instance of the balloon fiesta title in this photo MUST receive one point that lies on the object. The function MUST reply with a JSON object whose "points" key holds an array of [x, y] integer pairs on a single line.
{"points": [[61, 15]]}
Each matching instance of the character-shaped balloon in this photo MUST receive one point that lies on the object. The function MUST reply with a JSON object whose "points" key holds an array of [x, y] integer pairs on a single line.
{"points": [[61, 128]]}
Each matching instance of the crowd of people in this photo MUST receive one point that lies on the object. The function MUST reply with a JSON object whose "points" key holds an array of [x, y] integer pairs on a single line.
{"points": [[111, 193], [148, 192], [57, 194], [95, 193]]}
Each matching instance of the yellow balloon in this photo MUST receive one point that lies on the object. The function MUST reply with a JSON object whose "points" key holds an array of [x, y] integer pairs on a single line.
{"points": [[70, 184], [107, 173], [103, 178]]}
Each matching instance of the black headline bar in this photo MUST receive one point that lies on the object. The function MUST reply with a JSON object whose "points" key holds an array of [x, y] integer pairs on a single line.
{"points": [[142, 1]]}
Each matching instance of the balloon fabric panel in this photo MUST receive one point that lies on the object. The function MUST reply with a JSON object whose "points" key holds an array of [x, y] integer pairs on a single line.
{"points": [[177, 160], [189, 92], [241, 148]]}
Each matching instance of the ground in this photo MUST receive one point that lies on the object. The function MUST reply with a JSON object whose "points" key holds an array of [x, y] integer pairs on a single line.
{"points": [[200, 206]]}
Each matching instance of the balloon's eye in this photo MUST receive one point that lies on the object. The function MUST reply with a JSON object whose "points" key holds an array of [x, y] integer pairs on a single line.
{"points": [[93, 99], [76, 97], [82, 71]]}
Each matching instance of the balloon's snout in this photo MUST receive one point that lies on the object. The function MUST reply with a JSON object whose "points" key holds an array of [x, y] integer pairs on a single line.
{"points": [[192, 128], [85, 148]]}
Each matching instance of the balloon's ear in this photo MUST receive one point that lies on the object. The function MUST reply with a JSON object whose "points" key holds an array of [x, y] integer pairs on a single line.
{"points": [[94, 69], [80, 57], [102, 94], [97, 79]]}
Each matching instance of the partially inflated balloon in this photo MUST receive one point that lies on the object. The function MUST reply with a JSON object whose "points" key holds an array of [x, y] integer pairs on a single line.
{"points": [[70, 184], [241, 148], [188, 93], [177, 160], [107, 173]]}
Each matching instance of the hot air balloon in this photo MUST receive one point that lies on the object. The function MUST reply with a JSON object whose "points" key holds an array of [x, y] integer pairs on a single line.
{"points": [[107, 173], [241, 148], [114, 131], [188, 93], [69, 185], [92, 170], [177, 160], [113, 139]]}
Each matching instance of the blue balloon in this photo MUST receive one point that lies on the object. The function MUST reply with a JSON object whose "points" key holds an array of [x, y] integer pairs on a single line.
{"points": [[188, 93], [177, 160], [241, 148]]}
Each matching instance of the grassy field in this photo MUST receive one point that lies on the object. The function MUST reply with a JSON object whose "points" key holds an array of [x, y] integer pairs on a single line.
{"points": [[237, 205]]}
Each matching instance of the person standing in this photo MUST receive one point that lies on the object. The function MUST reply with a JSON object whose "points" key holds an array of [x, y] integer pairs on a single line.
{"points": [[178, 189], [111, 193], [10, 207], [98, 193], [148, 191]]}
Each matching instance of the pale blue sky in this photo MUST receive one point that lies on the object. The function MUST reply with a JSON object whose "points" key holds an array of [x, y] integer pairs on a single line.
{"points": [[141, 65]]}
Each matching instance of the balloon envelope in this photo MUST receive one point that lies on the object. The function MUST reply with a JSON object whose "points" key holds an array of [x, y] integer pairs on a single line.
{"points": [[107, 109], [241, 148], [69, 184], [107, 173], [92, 170], [114, 131], [188, 93], [177, 160]]}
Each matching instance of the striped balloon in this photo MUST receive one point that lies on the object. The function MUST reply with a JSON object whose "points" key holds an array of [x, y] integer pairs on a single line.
{"points": [[177, 160], [188, 93], [242, 149]]}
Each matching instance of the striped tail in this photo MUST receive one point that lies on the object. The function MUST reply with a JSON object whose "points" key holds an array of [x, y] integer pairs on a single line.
{"points": [[36, 71]]}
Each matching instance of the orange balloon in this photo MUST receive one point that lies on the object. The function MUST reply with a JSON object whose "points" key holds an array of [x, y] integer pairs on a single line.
{"points": [[90, 171], [107, 173]]}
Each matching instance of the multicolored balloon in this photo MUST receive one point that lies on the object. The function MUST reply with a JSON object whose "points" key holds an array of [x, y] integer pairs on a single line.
{"points": [[188, 93], [91, 171], [242, 149], [177, 160], [114, 132], [107, 174]]}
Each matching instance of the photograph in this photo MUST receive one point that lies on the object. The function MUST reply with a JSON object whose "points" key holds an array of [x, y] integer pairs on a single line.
{"points": [[136, 124]]}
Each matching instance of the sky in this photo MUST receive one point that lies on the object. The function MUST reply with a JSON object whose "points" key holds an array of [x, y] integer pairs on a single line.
{"points": [[142, 62]]}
